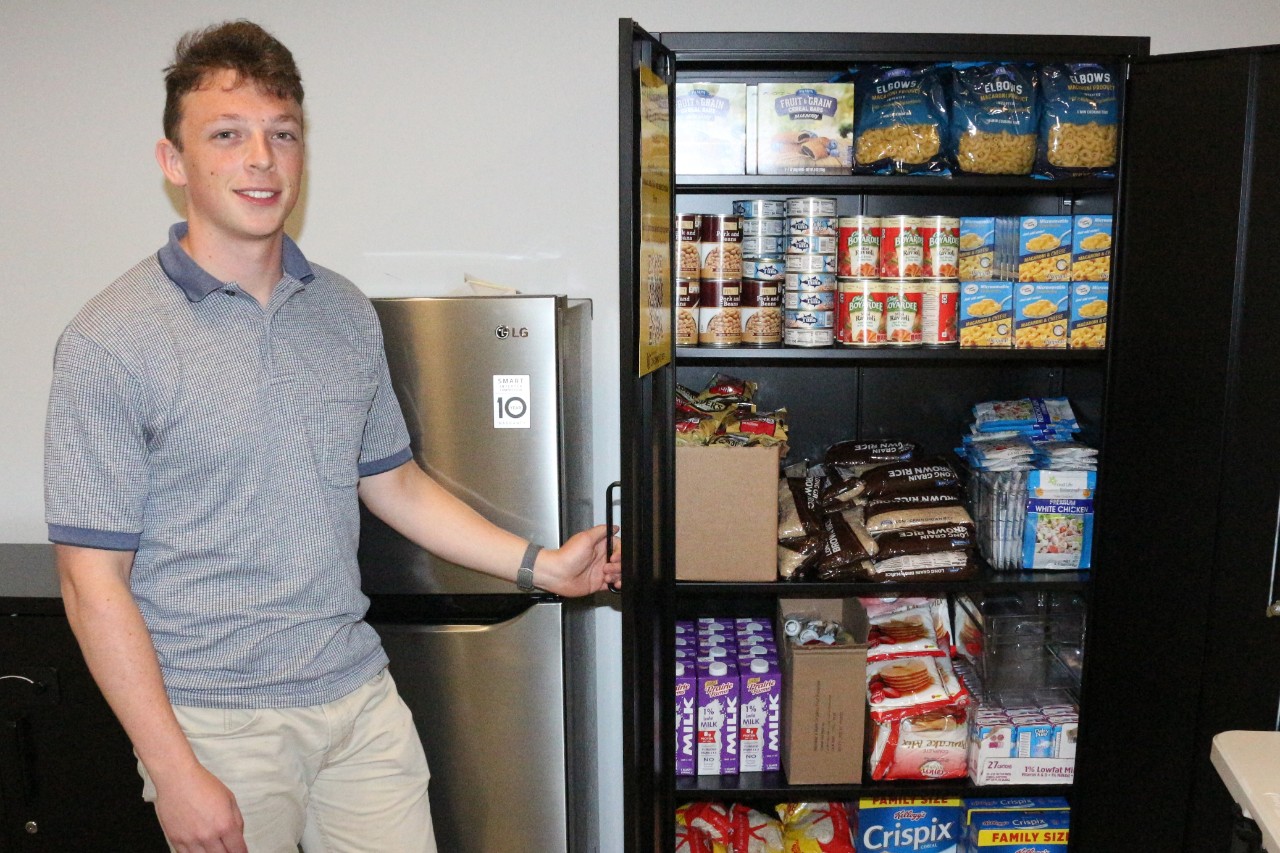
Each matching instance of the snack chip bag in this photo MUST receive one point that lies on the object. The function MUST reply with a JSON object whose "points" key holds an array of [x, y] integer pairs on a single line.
{"points": [[815, 828]]}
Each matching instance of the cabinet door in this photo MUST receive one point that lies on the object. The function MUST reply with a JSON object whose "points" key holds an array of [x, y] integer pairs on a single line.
{"points": [[1179, 646], [647, 387]]}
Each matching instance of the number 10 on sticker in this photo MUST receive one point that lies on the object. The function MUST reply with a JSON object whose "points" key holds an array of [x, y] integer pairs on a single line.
{"points": [[510, 402]]}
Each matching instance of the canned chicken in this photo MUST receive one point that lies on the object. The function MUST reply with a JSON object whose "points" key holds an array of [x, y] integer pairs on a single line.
{"points": [[761, 314], [688, 261], [940, 240], [858, 246], [860, 313], [720, 313], [901, 249], [811, 207], [902, 317], [720, 247], [760, 207], [940, 312], [687, 302]]}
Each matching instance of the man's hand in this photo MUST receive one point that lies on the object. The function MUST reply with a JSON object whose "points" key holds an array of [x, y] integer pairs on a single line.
{"points": [[580, 566], [199, 814]]}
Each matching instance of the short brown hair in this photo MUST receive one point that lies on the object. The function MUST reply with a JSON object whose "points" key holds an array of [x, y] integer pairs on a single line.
{"points": [[240, 46]]}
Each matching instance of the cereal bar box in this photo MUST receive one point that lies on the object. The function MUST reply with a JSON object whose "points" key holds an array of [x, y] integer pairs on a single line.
{"points": [[1089, 314], [908, 825], [1040, 313], [711, 128], [986, 314], [804, 128], [1091, 248], [1044, 248]]}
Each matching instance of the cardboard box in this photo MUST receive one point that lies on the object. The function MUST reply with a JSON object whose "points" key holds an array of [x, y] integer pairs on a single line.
{"points": [[711, 128], [804, 128], [727, 513], [824, 697]]}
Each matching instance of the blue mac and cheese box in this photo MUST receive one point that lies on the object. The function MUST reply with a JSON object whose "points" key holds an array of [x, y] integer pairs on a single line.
{"points": [[1091, 241], [908, 825], [1089, 314], [1016, 825], [1044, 248]]}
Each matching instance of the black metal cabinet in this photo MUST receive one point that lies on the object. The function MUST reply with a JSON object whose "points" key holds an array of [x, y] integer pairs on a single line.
{"points": [[68, 778]]}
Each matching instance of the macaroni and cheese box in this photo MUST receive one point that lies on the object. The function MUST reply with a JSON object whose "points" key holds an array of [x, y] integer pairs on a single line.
{"points": [[804, 128], [1091, 248], [711, 128], [1017, 831], [1089, 314], [977, 248], [1044, 248], [986, 314], [1040, 314]]}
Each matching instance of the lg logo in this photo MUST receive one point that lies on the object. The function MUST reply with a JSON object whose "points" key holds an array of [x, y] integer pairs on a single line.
{"points": [[504, 332]]}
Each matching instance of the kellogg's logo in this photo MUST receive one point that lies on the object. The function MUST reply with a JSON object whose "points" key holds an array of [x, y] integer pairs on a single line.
{"points": [[908, 814]]}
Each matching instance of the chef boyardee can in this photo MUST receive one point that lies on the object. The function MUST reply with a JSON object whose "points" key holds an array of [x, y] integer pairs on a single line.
{"points": [[687, 303], [940, 312], [859, 247], [903, 320], [860, 313], [720, 313], [761, 313], [901, 247]]}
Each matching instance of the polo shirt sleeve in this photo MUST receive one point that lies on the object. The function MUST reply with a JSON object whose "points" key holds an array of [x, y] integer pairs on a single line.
{"points": [[96, 458], [386, 439]]}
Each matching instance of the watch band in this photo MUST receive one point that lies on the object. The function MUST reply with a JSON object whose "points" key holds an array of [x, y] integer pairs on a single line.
{"points": [[524, 577]]}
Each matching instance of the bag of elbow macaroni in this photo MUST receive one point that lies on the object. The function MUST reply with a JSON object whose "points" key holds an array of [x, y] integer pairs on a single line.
{"points": [[1079, 120], [993, 117], [900, 120]]}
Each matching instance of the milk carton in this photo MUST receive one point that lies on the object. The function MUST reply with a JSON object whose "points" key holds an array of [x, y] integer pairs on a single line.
{"points": [[686, 700], [760, 695], [717, 720]]}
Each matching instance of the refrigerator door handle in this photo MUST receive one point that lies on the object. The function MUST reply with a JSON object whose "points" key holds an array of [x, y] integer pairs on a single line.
{"points": [[608, 522]]}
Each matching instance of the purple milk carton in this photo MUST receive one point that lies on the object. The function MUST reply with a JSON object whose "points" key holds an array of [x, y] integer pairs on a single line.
{"points": [[717, 709], [759, 713], [686, 725]]}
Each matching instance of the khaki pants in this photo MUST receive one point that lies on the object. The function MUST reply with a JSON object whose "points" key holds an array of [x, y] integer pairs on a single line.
{"points": [[345, 777]]}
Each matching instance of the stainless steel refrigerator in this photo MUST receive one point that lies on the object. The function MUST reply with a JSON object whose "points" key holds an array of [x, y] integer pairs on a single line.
{"points": [[495, 392]]}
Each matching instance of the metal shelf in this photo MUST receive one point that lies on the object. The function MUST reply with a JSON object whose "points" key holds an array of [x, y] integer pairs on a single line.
{"points": [[773, 786], [988, 580], [905, 355], [889, 184]]}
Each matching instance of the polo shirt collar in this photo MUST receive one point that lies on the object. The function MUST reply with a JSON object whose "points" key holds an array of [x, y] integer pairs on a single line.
{"points": [[196, 283]]}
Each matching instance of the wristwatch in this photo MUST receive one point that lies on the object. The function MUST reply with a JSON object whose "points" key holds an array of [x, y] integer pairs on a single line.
{"points": [[524, 577]]}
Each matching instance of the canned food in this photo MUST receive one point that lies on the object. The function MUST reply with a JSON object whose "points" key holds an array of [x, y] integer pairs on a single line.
{"points": [[764, 269], [688, 261], [823, 281], [901, 249], [807, 337], [761, 314], [940, 240], [760, 227], [809, 300], [720, 246], [756, 207], [940, 312], [803, 244], [809, 319], [858, 246], [763, 247], [813, 226], [811, 207], [719, 313], [811, 263], [687, 303], [902, 317], [860, 313]]}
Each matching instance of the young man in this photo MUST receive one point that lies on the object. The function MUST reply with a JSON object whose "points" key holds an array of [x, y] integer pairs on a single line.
{"points": [[216, 415]]}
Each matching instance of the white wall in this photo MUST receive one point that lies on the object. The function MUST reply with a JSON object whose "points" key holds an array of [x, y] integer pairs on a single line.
{"points": [[443, 137]]}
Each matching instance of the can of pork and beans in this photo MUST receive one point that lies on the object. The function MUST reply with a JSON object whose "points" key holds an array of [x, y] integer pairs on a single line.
{"points": [[720, 312], [687, 304], [720, 247], [761, 313], [688, 261]]}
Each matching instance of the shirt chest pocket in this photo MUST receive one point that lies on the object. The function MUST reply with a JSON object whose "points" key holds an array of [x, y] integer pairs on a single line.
{"points": [[336, 428]]}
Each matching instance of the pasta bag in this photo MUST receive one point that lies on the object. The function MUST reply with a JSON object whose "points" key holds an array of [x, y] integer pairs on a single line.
{"points": [[993, 117], [1079, 120]]}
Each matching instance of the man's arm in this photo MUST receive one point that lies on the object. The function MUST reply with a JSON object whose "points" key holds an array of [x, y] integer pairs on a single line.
{"points": [[196, 811], [423, 511]]}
